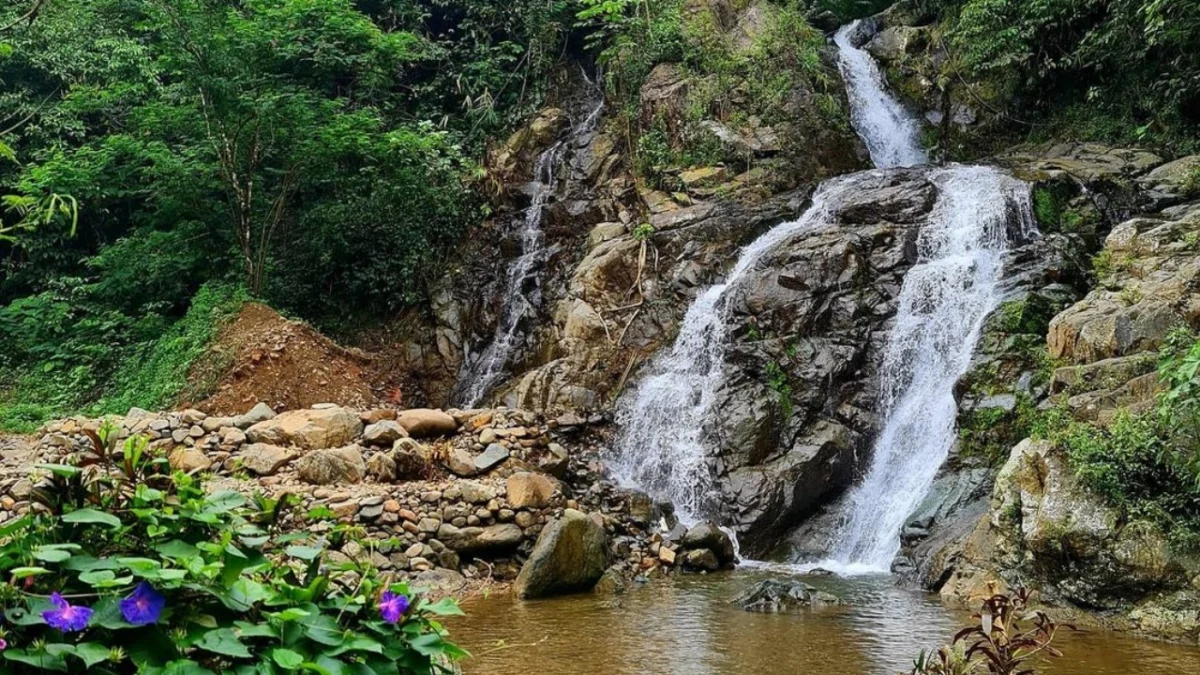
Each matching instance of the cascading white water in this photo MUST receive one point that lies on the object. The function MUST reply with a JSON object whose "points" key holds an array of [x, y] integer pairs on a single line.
{"points": [[661, 448], [522, 290], [481, 373], [943, 303], [892, 136]]}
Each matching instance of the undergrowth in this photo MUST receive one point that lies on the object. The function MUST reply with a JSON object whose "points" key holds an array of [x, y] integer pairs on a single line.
{"points": [[66, 357]]}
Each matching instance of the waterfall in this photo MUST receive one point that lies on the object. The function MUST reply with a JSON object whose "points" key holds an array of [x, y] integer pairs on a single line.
{"points": [[661, 448], [481, 373], [891, 135], [942, 306]]}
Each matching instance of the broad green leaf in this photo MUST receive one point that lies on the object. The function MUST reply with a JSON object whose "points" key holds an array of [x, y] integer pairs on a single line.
{"points": [[22, 572], [223, 641], [92, 516], [287, 658], [224, 501], [303, 552], [41, 660], [177, 549], [64, 470], [51, 555], [247, 629], [91, 653]]}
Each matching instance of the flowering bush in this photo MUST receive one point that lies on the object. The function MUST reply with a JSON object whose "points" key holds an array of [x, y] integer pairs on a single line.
{"points": [[125, 567]]}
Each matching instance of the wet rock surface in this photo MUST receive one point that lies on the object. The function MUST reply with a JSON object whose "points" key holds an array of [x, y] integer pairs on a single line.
{"points": [[783, 595]]}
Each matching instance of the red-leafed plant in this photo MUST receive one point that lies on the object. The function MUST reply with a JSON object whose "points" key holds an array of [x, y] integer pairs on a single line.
{"points": [[1006, 641]]}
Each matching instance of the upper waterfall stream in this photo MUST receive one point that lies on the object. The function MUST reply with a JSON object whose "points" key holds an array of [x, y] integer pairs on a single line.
{"points": [[891, 134], [663, 447]]}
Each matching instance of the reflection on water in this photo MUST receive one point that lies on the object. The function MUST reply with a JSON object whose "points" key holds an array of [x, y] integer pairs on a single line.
{"points": [[687, 627]]}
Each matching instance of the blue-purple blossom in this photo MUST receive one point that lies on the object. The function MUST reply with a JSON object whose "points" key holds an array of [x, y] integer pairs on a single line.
{"points": [[66, 617], [143, 606], [392, 606]]}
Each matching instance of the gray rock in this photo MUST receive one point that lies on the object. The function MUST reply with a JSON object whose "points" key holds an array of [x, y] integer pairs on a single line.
{"points": [[265, 460], [493, 539], [308, 429], [381, 467], [711, 537], [782, 595], [425, 423], [386, 432], [259, 413], [493, 456], [461, 463]]}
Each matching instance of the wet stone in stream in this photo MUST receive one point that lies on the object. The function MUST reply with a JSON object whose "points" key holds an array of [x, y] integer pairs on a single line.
{"points": [[782, 595]]}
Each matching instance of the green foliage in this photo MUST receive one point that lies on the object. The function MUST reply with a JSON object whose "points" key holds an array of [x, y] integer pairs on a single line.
{"points": [[66, 352], [848, 10], [735, 83], [155, 376], [240, 594], [1147, 464], [319, 150], [779, 382], [990, 433], [1114, 70]]}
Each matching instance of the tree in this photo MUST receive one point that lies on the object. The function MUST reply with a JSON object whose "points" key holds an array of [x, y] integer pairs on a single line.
{"points": [[30, 211]]}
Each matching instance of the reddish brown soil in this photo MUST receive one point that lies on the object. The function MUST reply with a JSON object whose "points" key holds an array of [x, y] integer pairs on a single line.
{"points": [[262, 356]]}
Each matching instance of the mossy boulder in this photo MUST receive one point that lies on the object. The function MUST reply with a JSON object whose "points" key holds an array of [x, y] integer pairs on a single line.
{"points": [[570, 555]]}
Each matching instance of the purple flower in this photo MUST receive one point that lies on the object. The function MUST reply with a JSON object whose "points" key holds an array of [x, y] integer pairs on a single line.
{"points": [[392, 606], [67, 617], [3, 645], [143, 606]]}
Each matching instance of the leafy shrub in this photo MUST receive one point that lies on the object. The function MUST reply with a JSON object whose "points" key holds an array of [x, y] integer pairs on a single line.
{"points": [[127, 568], [155, 375], [1146, 464], [1008, 637], [1086, 69]]}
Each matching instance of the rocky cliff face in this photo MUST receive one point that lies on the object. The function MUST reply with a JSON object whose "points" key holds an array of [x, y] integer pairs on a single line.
{"points": [[1035, 523], [626, 251]]}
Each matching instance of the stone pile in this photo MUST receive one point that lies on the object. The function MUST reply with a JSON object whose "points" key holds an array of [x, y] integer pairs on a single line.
{"points": [[466, 493]]}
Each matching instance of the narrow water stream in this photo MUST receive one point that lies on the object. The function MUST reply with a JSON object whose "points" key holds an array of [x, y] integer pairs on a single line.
{"points": [[686, 626]]}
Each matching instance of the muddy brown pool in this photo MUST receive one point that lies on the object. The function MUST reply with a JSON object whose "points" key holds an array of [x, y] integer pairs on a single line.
{"points": [[686, 626]]}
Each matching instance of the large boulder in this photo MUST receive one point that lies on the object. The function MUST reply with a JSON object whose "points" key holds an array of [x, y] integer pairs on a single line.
{"points": [[820, 302], [1150, 285], [570, 555], [710, 537], [323, 467], [1048, 524], [384, 432], [265, 460], [308, 429], [426, 423]]}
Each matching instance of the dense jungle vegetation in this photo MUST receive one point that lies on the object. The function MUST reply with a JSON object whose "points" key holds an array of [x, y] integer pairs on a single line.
{"points": [[167, 159]]}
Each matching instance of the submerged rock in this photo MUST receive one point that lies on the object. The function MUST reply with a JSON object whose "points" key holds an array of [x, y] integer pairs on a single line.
{"points": [[782, 595]]}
